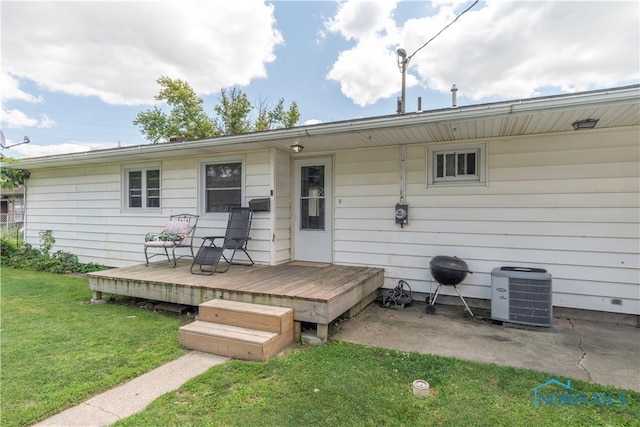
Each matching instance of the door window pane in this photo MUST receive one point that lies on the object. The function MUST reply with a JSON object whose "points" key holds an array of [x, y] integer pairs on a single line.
{"points": [[312, 201]]}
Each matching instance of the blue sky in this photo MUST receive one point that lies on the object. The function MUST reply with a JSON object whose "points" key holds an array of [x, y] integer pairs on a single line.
{"points": [[75, 74]]}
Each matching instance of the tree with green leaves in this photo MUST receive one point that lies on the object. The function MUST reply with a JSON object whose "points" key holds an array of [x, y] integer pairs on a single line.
{"points": [[277, 117], [12, 178], [188, 118], [233, 112]]}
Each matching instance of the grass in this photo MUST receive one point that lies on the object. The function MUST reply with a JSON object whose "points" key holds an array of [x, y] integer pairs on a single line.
{"points": [[342, 384], [57, 349]]}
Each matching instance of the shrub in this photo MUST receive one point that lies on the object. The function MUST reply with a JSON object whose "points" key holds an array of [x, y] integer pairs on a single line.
{"points": [[7, 249], [29, 258]]}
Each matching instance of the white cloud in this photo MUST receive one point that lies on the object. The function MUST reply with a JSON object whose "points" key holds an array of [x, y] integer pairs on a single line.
{"points": [[116, 50], [368, 72], [357, 20], [311, 122], [11, 90], [16, 119], [501, 49]]}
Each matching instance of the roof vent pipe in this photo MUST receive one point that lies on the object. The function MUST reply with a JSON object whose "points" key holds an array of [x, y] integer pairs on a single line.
{"points": [[419, 104], [454, 96]]}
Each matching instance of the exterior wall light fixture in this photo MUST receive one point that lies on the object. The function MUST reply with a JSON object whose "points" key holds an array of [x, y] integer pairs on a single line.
{"points": [[585, 124], [296, 147]]}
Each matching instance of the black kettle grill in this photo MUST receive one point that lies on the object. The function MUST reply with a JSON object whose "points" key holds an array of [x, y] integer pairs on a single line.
{"points": [[448, 271]]}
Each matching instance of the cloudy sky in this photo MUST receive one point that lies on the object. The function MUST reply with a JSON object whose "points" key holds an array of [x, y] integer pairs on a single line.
{"points": [[74, 74]]}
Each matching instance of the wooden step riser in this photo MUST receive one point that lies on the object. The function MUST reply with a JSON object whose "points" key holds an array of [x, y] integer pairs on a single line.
{"points": [[246, 320], [230, 345], [246, 315]]}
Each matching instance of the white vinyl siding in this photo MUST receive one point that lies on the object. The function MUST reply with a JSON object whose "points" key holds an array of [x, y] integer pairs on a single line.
{"points": [[83, 208], [282, 208], [566, 203]]}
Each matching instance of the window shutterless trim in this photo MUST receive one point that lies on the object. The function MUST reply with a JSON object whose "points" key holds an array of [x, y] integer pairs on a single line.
{"points": [[463, 164], [205, 190], [148, 194]]}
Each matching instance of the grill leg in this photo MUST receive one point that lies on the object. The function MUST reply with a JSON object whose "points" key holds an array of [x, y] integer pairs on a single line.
{"points": [[463, 301], [435, 296]]}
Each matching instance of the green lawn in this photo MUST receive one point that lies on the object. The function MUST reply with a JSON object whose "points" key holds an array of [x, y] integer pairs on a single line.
{"points": [[342, 384], [57, 350]]}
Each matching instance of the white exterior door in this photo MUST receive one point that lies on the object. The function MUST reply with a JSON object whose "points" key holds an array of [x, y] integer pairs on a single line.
{"points": [[313, 224]]}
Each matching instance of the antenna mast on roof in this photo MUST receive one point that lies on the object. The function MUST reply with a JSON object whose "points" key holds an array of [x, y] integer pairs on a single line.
{"points": [[403, 59], [3, 142]]}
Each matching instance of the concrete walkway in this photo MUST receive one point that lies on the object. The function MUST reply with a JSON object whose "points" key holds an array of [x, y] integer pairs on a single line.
{"points": [[134, 396], [592, 351]]}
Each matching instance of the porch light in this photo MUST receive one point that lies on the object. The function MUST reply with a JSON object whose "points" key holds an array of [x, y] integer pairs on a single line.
{"points": [[296, 147], [585, 124]]}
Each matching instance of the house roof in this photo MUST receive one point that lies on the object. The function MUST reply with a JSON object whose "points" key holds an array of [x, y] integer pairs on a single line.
{"points": [[616, 107]]}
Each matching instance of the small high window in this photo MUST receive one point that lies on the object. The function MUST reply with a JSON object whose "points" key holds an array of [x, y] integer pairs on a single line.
{"points": [[456, 164]]}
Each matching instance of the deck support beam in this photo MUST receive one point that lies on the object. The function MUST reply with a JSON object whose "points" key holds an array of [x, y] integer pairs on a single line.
{"points": [[323, 331], [97, 298]]}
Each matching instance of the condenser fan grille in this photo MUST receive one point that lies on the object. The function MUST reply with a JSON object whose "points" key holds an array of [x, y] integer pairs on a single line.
{"points": [[529, 301]]}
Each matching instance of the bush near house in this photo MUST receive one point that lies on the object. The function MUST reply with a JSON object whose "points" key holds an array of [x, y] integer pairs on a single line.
{"points": [[26, 257]]}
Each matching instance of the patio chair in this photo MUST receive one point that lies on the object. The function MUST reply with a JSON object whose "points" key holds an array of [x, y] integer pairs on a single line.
{"points": [[178, 232], [235, 239]]}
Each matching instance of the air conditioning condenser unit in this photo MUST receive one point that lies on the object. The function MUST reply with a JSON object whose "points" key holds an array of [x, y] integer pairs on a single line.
{"points": [[521, 295]]}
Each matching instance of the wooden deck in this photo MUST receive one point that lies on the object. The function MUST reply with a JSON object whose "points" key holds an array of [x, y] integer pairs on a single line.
{"points": [[318, 293]]}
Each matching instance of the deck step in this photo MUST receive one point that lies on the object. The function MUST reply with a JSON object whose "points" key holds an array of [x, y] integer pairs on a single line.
{"points": [[234, 341], [239, 330], [247, 315]]}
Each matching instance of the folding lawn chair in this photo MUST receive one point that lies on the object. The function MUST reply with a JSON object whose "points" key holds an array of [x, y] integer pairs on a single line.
{"points": [[235, 239]]}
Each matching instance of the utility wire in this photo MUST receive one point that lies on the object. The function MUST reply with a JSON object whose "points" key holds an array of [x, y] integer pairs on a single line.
{"points": [[440, 32]]}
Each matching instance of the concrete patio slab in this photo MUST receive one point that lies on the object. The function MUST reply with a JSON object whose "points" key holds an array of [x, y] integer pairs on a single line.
{"points": [[598, 352]]}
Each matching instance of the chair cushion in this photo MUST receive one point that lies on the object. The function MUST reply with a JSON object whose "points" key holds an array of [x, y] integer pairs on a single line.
{"points": [[162, 243], [175, 233], [176, 227]]}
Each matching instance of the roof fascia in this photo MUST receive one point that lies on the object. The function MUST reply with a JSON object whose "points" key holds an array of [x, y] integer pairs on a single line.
{"points": [[525, 106]]}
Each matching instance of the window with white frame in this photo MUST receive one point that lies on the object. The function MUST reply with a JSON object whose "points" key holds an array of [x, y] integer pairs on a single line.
{"points": [[142, 187], [222, 185], [463, 164]]}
